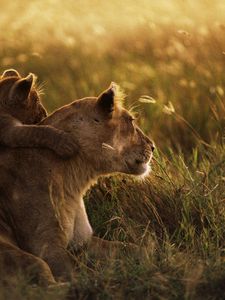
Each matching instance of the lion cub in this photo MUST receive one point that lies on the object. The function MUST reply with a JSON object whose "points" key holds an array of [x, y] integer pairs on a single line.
{"points": [[20, 109]]}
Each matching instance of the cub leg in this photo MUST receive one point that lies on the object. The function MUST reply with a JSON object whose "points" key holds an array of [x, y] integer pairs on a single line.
{"points": [[14, 134], [13, 260]]}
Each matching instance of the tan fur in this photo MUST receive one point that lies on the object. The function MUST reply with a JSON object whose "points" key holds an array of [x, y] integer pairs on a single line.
{"points": [[20, 107], [41, 196]]}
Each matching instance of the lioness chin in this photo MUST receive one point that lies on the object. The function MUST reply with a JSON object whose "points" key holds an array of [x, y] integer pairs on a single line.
{"points": [[42, 212]]}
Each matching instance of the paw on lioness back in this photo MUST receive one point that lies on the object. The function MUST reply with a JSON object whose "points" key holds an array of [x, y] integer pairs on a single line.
{"points": [[20, 112]]}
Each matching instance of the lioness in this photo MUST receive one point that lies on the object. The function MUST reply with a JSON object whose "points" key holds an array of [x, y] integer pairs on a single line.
{"points": [[20, 108], [42, 212]]}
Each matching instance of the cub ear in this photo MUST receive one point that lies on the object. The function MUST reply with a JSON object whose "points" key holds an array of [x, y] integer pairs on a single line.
{"points": [[10, 73], [21, 89], [106, 99]]}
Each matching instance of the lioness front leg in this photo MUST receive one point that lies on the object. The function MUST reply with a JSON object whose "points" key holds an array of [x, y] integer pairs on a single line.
{"points": [[51, 247], [82, 231], [100, 248], [83, 236]]}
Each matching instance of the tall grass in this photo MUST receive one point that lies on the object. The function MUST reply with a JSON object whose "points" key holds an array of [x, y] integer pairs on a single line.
{"points": [[169, 57]]}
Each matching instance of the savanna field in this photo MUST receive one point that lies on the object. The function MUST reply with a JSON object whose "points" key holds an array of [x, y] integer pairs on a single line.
{"points": [[169, 57]]}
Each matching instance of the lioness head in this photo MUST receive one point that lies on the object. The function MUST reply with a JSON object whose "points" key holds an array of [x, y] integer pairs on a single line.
{"points": [[106, 133], [19, 97]]}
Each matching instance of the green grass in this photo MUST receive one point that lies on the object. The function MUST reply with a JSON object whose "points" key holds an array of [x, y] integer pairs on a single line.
{"points": [[177, 214]]}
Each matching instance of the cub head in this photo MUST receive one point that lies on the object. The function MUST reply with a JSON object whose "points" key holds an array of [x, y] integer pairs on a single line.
{"points": [[19, 97], [106, 133]]}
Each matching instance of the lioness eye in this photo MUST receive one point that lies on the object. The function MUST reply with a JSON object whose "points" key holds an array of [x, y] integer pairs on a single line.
{"points": [[96, 120]]}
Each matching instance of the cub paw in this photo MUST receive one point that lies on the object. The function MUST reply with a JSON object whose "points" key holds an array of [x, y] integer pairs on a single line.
{"points": [[65, 146]]}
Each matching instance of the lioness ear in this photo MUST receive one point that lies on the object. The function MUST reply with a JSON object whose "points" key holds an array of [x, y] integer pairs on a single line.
{"points": [[21, 89], [106, 99], [10, 73]]}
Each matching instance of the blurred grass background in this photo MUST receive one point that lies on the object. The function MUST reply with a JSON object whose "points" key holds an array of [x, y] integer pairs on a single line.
{"points": [[169, 56]]}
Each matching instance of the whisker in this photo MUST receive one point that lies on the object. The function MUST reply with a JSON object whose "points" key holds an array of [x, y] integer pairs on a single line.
{"points": [[107, 146], [40, 87]]}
